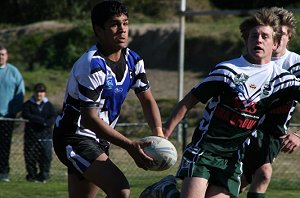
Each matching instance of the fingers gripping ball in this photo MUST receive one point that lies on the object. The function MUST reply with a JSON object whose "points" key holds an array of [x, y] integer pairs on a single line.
{"points": [[162, 151]]}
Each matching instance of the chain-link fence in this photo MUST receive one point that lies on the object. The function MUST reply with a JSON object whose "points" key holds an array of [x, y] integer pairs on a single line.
{"points": [[285, 167], [58, 171]]}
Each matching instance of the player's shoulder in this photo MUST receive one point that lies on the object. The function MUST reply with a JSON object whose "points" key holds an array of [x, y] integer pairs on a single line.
{"points": [[128, 51], [89, 61], [131, 55], [230, 66], [293, 56]]}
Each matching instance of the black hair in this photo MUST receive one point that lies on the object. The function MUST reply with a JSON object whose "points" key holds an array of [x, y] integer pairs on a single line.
{"points": [[39, 87], [104, 10]]}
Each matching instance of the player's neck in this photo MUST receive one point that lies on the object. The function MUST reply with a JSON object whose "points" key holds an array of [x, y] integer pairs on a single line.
{"points": [[279, 54]]}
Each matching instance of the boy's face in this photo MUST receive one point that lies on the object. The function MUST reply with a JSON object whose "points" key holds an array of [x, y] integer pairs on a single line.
{"points": [[114, 35], [39, 95], [260, 45], [285, 38]]}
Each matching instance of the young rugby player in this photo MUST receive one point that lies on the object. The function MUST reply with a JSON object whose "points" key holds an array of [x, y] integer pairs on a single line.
{"points": [[271, 136], [97, 87], [239, 92]]}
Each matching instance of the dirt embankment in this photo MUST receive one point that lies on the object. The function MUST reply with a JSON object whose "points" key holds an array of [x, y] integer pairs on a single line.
{"points": [[156, 43]]}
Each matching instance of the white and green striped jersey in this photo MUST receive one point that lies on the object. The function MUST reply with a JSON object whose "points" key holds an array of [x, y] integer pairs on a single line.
{"points": [[276, 121], [239, 93]]}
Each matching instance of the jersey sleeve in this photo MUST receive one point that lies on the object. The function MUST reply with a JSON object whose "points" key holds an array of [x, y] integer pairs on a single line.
{"points": [[213, 85], [90, 83], [141, 82]]}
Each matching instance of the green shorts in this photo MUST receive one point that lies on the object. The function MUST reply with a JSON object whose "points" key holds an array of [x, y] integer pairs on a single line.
{"points": [[263, 149], [218, 170]]}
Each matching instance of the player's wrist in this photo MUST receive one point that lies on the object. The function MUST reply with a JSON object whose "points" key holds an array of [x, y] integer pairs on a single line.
{"points": [[297, 134], [157, 131]]}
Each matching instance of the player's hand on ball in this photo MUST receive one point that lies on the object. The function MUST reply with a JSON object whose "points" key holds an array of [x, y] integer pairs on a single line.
{"points": [[162, 151], [139, 156]]}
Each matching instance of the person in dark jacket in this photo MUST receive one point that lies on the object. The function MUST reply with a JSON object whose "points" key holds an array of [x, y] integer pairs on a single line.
{"points": [[41, 116]]}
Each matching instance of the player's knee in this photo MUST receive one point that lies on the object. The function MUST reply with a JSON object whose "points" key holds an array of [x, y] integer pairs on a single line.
{"points": [[264, 173]]}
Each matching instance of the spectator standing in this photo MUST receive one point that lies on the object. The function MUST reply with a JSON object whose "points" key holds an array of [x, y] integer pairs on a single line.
{"points": [[12, 92], [38, 134]]}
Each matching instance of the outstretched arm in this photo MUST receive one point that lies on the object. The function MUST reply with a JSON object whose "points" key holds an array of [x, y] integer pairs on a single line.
{"points": [[181, 109], [151, 112]]}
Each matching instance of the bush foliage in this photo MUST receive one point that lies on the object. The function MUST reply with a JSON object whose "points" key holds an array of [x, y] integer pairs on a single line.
{"points": [[58, 49]]}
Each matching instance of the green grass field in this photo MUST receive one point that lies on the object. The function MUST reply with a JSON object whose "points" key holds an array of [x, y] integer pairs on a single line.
{"points": [[285, 183], [58, 189]]}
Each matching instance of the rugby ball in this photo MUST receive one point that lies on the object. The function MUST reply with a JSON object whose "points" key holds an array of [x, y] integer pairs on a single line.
{"points": [[162, 151]]}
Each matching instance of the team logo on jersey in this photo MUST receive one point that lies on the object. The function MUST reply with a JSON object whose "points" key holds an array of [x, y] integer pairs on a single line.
{"points": [[118, 90], [239, 80], [109, 81], [266, 90], [252, 86]]}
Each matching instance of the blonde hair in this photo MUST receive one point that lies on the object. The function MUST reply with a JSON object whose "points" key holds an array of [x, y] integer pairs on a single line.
{"points": [[286, 19], [262, 17]]}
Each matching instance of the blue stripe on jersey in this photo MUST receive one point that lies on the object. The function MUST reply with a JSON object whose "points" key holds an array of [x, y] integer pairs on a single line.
{"points": [[92, 82], [97, 64]]}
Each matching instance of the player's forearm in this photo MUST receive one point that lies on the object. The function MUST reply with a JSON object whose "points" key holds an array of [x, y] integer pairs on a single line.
{"points": [[182, 108], [151, 112], [91, 121], [153, 118], [174, 119], [297, 134]]}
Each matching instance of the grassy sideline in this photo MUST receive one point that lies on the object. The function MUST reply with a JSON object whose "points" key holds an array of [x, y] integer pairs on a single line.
{"points": [[284, 184], [58, 189]]}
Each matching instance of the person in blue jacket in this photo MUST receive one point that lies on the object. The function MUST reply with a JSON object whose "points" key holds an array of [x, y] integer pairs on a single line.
{"points": [[41, 116], [12, 91]]}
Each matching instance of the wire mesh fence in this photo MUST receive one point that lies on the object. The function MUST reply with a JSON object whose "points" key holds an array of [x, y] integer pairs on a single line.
{"points": [[58, 171], [285, 168]]}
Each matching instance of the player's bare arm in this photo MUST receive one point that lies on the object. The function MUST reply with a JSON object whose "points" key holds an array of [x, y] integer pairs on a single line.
{"points": [[91, 121], [151, 112], [182, 108]]}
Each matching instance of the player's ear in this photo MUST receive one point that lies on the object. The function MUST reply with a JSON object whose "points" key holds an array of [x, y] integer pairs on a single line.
{"points": [[98, 30]]}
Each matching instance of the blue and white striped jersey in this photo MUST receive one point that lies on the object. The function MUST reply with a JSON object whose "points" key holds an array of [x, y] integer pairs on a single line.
{"points": [[94, 83], [239, 94]]}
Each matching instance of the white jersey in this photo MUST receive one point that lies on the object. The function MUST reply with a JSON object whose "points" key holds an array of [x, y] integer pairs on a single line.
{"points": [[239, 94], [277, 120], [289, 61]]}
